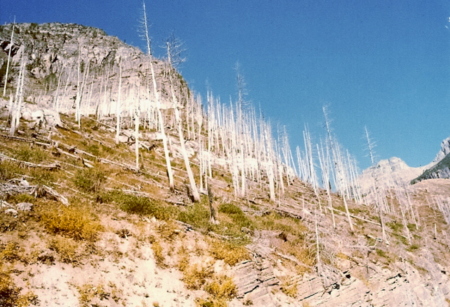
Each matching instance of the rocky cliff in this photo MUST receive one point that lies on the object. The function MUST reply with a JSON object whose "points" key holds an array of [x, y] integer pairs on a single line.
{"points": [[65, 60]]}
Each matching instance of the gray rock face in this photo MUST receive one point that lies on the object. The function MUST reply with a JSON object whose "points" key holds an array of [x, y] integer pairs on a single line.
{"points": [[64, 61], [254, 281], [444, 151]]}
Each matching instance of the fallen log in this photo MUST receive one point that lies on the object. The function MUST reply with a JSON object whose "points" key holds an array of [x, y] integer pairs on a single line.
{"points": [[50, 167]]}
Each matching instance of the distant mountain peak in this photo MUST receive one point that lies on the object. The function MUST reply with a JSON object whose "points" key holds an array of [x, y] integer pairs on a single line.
{"points": [[444, 151]]}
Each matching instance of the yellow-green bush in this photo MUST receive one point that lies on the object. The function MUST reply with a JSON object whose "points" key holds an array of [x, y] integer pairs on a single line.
{"points": [[10, 251], [76, 222], [228, 252], [221, 287], [196, 275], [138, 204], [66, 249]]}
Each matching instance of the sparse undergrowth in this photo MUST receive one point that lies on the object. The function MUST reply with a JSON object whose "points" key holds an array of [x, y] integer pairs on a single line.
{"points": [[76, 221]]}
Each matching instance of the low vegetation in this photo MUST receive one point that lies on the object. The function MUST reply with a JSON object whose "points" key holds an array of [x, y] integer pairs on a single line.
{"points": [[77, 221]]}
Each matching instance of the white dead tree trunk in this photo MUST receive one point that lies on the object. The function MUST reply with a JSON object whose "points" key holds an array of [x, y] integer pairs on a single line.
{"points": [[324, 161], [11, 44], [79, 92], [137, 114], [118, 103], [158, 100], [378, 196], [339, 166], [174, 57], [311, 166], [17, 104], [268, 161], [240, 129]]}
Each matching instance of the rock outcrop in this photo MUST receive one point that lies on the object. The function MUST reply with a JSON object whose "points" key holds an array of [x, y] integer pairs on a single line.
{"points": [[66, 60]]}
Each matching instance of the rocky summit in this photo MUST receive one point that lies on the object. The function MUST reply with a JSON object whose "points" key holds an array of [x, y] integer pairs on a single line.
{"points": [[119, 186]]}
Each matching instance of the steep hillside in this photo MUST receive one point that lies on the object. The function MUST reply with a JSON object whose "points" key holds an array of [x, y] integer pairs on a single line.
{"points": [[441, 166], [440, 170], [90, 219]]}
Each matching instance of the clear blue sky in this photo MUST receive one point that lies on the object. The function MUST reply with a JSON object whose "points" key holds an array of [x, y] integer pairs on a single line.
{"points": [[383, 64]]}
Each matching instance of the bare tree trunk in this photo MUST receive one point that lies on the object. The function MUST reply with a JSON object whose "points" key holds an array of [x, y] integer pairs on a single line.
{"points": [[9, 59], [158, 102], [118, 104], [17, 105]]}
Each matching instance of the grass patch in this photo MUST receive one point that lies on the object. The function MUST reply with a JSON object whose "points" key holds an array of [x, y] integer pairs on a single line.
{"points": [[289, 288], [196, 215], [9, 170], [90, 180], [277, 222], [9, 292], [158, 253], [195, 276], [11, 252], [395, 226], [221, 287], [382, 253], [27, 153], [139, 205], [235, 213], [75, 221], [89, 292], [43, 177], [228, 252], [413, 247], [66, 248]]}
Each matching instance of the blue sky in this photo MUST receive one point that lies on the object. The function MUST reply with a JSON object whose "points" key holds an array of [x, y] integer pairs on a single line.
{"points": [[376, 63]]}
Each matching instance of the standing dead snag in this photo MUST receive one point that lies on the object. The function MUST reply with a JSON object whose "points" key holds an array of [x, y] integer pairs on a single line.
{"points": [[158, 100], [212, 210], [10, 47], [173, 58]]}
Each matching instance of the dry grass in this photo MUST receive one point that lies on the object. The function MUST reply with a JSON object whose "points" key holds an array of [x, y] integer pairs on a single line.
{"points": [[195, 276], [158, 252], [289, 288], [89, 292], [75, 221], [66, 248], [10, 294], [221, 287], [228, 252]]}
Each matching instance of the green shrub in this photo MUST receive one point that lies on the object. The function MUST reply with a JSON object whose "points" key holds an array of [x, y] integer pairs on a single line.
{"points": [[9, 170], [197, 215], [139, 205], [395, 226], [90, 180], [29, 154]]}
